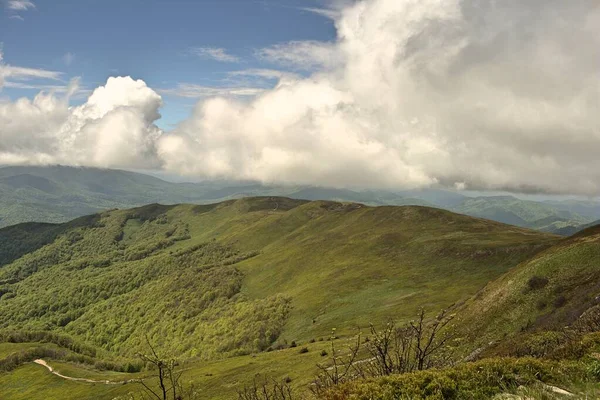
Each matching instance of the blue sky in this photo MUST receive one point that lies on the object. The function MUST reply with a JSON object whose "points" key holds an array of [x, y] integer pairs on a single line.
{"points": [[164, 43]]}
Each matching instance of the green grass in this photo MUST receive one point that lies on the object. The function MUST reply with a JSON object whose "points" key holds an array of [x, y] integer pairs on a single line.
{"points": [[218, 284], [7, 349], [219, 379], [229, 279], [569, 274], [35, 382]]}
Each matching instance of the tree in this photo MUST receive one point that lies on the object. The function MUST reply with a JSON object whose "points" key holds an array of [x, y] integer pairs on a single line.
{"points": [[344, 368], [169, 377], [392, 350], [408, 348]]}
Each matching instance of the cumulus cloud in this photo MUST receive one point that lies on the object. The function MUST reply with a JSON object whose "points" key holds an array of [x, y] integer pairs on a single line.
{"points": [[470, 94], [114, 128], [474, 94]]}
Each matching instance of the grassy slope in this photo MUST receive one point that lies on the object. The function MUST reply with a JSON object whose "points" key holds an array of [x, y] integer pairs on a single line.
{"points": [[509, 304], [341, 265], [546, 293], [58, 194], [219, 379], [344, 265]]}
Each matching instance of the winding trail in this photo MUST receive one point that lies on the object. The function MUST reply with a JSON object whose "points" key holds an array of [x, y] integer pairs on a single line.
{"points": [[70, 378]]}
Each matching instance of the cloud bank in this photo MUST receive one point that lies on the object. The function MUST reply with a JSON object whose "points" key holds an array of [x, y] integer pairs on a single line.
{"points": [[474, 94], [114, 128]]}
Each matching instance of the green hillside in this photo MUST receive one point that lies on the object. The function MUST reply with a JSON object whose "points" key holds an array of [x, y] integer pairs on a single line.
{"points": [[291, 270], [58, 194], [220, 286], [527, 335], [550, 291]]}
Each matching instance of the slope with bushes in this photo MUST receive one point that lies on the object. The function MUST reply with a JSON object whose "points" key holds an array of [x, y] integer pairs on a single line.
{"points": [[551, 291], [237, 277]]}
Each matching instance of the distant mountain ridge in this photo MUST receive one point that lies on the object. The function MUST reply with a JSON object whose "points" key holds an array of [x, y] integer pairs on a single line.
{"points": [[58, 194]]}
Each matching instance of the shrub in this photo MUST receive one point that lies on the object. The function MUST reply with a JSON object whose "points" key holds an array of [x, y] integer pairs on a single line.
{"points": [[536, 283], [480, 380], [323, 353], [303, 350], [293, 344], [554, 345], [560, 301], [541, 304]]}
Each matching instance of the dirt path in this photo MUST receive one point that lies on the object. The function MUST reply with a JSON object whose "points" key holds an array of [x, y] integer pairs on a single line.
{"points": [[70, 378]]}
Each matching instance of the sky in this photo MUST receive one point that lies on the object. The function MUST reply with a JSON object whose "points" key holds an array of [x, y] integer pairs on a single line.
{"points": [[476, 95], [172, 45]]}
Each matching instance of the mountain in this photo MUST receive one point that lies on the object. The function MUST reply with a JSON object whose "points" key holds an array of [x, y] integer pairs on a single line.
{"points": [[58, 194], [585, 208], [289, 269], [524, 213], [573, 229], [526, 335], [232, 288], [552, 290]]}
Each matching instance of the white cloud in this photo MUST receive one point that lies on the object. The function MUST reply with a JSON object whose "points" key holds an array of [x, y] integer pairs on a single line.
{"points": [[38, 87], [473, 94], [264, 73], [19, 5], [214, 53], [467, 93], [324, 12], [22, 73], [198, 91], [303, 55], [114, 128]]}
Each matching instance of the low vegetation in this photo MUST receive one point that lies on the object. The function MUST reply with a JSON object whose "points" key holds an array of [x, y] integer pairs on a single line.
{"points": [[194, 301]]}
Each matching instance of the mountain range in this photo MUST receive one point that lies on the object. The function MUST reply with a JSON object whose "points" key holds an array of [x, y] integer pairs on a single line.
{"points": [[58, 194]]}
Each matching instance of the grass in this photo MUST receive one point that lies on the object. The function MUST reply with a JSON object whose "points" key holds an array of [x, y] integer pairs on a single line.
{"points": [[216, 284], [288, 269], [568, 277], [35, 382], [219, 379], [7, 349]]}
